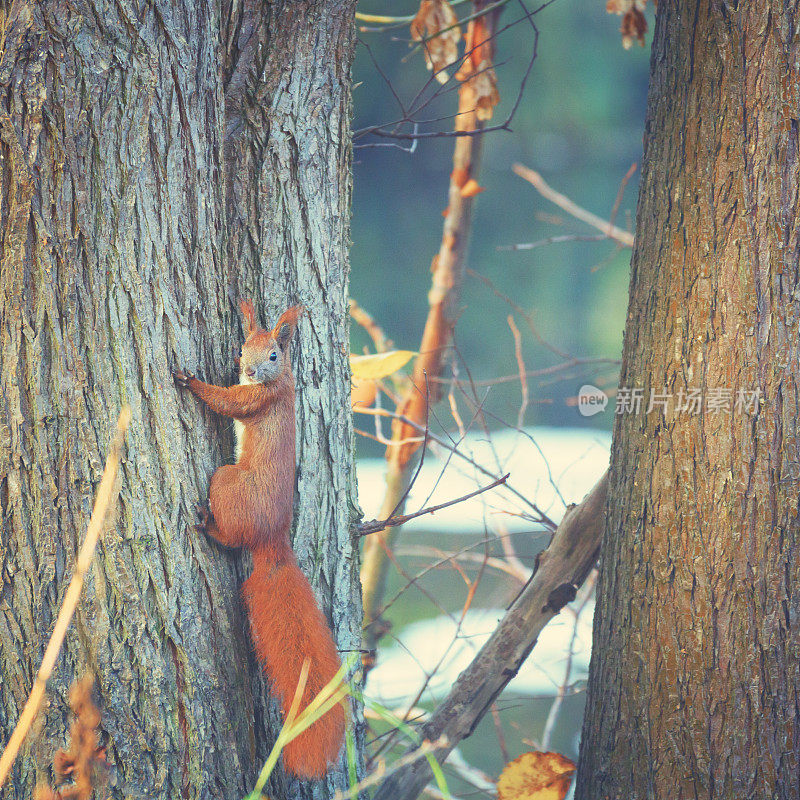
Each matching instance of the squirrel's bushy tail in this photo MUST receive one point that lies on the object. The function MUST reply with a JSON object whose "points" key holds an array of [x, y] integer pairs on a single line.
{"points": [[288, 628]]}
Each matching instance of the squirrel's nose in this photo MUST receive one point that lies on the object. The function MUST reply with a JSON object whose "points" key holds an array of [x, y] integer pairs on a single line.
{"points": [[249, 372]]}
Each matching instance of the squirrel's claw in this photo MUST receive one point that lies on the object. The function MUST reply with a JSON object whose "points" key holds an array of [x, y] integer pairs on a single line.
{"points": [[182, 378], [202, 511]]}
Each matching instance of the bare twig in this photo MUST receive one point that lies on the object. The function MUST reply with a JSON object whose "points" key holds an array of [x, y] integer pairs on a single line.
{"points": [[533, 441], [621, 192], [540, 516], [524, 314], [413, 581], [562, 567], [388, 442], [536, 373], [478, 408], [401, 501], [375, 525], [538, 182], [512, 560], [522, 577], [458, 23], [501, 737], [471, 774], [388, 22], [454, 559], [368, 323], [390, 130], [385, 77], [456, 444], [105, 493], [521, 365], [568, 237]]}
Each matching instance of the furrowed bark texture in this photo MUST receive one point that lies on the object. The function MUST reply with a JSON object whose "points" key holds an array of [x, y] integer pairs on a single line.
{"points": [[160, 161], [694, 683]]}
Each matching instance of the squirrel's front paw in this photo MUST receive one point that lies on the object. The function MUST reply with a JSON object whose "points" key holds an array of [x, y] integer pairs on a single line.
{"points": [[182, 378]]}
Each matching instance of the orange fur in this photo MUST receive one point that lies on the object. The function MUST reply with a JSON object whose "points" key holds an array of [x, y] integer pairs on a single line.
{"points": [[251, 506], [288, 628], [249, 314]]}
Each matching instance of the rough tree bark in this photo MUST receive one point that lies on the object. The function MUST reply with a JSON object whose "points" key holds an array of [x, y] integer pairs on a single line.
{"points": [[695, 677], [159, 162]]}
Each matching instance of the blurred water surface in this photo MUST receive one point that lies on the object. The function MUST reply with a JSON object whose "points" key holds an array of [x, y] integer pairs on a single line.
{"points": [[430, 643]]}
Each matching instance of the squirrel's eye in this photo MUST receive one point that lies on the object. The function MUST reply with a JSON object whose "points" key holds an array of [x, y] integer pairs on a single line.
{"points": [[273, 356]]}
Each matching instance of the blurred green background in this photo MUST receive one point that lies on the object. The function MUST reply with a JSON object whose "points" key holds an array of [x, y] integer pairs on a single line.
{"points": [[580, 124]]}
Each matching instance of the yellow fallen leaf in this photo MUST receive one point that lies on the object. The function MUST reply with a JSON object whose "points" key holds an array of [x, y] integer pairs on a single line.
{"points": [[536, 776], [375, 367]]}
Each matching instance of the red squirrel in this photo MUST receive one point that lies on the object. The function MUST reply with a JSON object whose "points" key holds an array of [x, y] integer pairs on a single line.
{"points": [[251, 506]]}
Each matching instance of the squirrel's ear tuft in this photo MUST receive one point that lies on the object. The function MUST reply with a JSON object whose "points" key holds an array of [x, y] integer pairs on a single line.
{"points": [[249, 314], [287, 325]]}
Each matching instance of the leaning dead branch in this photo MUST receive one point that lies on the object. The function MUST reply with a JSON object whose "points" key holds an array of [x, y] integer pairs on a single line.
{"points": [[562, 567]]}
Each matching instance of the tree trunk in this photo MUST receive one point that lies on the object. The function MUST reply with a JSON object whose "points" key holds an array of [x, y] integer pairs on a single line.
{"points": [[160, 161], [694, 681]]}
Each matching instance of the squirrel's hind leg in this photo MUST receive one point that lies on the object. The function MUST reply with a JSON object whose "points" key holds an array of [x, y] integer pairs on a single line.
{"points": [[208, 525], [228, 499]]}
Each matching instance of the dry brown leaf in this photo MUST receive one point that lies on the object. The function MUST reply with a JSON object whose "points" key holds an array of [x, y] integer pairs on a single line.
{"points": [[471, 188], [84, 763], [441, 49], [536, 776], [634, 25], [380, 365]]}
